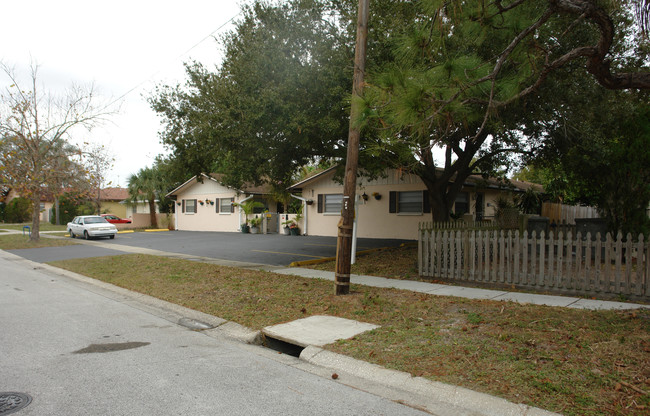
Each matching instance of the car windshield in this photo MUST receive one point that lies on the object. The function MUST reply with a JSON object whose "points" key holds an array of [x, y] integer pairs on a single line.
{"points": [[94, 220]]}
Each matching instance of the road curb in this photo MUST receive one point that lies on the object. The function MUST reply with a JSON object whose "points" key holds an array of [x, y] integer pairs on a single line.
{"points": [[431, 396]]}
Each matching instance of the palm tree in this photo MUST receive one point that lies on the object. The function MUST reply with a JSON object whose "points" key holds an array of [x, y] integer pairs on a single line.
{"points": [[146, 185]]}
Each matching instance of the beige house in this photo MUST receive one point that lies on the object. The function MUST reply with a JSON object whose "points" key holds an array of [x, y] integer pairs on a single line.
{"points": [[208, 205], [47, 203], [111, 201], [393, 206]]}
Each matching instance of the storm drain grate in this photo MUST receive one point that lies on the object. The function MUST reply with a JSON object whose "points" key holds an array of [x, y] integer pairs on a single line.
{"points": [[12, 402]]}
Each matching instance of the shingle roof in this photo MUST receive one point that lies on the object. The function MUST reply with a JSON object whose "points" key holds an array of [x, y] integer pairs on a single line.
{"points": [[473, 180], [247, 188], [113, 194]]}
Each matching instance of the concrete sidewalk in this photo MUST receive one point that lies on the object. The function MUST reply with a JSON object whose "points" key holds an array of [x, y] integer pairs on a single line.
{"points": [[466, 292]]}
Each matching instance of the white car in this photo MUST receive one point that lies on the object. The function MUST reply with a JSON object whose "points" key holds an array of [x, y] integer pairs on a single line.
{"points": [[90, 226]]}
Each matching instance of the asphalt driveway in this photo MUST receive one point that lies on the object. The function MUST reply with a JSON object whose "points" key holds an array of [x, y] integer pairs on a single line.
{"points": [[271, 249]]}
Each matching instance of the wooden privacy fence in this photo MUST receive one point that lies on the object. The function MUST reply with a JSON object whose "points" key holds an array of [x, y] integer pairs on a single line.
{"points": [[567, 214], [602, 267]]}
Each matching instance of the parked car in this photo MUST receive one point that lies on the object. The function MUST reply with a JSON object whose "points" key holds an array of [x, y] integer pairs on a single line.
{"points": [[90, 226], [114, 219]]}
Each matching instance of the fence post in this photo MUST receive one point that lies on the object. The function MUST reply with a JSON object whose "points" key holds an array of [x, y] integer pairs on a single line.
{"points": [[550, 265], [420, 250], [588, 278], [619, 254], [647, 268], [628, 264], [542, 245], [639, 280]]}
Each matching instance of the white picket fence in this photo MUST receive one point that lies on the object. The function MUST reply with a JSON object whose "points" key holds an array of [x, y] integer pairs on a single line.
{"points": [[558, 263]]}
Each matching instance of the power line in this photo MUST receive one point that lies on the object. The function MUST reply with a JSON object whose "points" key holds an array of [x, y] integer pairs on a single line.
{"points": [[175, 59]]}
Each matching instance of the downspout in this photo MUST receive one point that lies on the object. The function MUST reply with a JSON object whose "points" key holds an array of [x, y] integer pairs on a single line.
{"points": [[353, 254], [304, 210], [176, 215], [240, 210]]}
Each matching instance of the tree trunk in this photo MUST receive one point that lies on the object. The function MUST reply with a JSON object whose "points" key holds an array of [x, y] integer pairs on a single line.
{"points": [[440, 207], [442, 195], [152, 213], [56, 211], [36, 216]]}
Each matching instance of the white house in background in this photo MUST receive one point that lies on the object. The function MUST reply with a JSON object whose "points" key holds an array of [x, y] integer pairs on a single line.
{"points": [[140, 207], [208, 205], [393, 205]]}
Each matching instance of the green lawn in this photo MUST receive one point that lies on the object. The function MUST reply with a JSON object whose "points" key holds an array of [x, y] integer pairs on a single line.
{"points": [[19, 241], [574, 362], [44, 226]]}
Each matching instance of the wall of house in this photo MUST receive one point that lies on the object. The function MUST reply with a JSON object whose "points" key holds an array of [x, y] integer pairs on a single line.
{"points": [[141, 207], [46, 211], [144, 221], [206, 218], [113, 207], [373, 217]]}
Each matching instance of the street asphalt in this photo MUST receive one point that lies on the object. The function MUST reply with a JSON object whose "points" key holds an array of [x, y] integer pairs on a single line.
{"points": [[267, 249]]}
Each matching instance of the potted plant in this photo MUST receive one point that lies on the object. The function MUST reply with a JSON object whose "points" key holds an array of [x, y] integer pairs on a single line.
{"points": [[293, 227], [255, 225], [248, 207], [287, 226]]}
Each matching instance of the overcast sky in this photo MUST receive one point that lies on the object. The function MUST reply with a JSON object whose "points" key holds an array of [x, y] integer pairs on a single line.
{"points": [[118, 45]]}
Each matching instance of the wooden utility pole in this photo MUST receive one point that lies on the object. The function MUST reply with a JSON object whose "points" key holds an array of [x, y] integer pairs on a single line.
{"points": [[344, 240]]}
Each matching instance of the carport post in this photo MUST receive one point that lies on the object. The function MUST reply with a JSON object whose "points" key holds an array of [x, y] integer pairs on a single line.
{"points": [[243, 200], [304, 212]]}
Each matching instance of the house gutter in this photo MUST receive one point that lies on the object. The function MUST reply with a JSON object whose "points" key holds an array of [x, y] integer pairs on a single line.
{"points": [[304, 210]]}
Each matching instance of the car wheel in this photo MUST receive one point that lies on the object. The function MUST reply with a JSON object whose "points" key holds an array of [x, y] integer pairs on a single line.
{"points": [[71, 233], [86, 236], [111, 237]]}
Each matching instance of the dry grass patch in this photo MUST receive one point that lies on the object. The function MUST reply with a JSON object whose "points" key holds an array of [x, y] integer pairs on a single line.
{"points": [[394, 263], [569, 361], [19, 241]]}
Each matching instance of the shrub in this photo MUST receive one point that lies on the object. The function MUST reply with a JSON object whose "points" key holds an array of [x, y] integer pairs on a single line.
{"points": [[18, 210]]}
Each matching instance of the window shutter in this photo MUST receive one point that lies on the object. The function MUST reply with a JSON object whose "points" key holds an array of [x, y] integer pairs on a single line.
{"points": [[392, 202], [216, 205], [196, 207], [426, 206], [232, 205], [183, 210], [320, 203]]}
